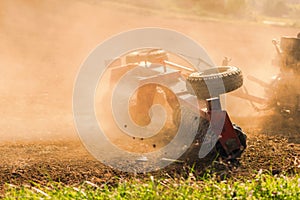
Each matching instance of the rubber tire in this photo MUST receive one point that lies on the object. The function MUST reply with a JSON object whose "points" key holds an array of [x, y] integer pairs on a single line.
{"points": [[191, 155], [219, 80]]}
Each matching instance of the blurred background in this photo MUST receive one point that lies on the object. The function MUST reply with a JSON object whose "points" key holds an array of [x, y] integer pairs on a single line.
{"points": [[43, 44]]}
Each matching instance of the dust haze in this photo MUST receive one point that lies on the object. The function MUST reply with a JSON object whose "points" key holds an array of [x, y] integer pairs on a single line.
{"points": [[43, 44]]}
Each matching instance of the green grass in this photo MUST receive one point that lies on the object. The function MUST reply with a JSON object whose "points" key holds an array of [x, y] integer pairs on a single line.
{"points": [[263, 186]]}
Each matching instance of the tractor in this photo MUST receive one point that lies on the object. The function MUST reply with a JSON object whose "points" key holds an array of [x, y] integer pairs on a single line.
{"points": [[282, 94], [215, 132]]}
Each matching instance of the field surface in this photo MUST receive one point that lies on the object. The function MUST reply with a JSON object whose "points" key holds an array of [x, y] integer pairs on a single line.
{"points": [[43, 46]]}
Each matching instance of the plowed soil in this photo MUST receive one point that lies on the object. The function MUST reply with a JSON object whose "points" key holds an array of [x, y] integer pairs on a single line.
{"points": [[70, 163]]}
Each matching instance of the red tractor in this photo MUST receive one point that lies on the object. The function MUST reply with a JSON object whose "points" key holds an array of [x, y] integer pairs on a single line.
{"points": [[216, 132]]}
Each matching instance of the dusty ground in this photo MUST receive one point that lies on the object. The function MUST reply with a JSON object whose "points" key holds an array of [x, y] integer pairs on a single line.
{"points": [[43, 45], [70, 163]]}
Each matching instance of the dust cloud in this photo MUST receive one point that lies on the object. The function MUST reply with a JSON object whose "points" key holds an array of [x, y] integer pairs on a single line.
{"points": [[43, 44]]}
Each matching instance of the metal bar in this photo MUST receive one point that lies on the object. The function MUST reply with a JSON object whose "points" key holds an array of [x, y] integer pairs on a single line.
{"points": [[260, 82], [179, 66], [249, 97]]}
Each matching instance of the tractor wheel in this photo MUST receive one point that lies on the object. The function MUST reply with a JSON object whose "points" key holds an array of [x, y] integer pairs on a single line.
{"points": [[190, 118], [191, 155], [176, 116], [214, 81]]}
